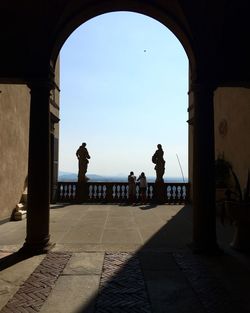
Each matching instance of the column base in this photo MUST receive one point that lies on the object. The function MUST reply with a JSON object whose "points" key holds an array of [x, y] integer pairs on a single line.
{"points": [[36, 248], [205, 249]]}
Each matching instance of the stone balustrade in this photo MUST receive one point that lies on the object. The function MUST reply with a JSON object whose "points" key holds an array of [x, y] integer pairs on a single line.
{"points": [[117, 192]]}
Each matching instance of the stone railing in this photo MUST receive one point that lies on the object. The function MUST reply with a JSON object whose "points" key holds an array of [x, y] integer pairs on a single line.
{"points": [[117, 192]]}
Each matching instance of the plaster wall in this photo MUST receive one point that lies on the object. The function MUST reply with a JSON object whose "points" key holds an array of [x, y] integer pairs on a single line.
{"points": [[14, 132], [232, 128]]}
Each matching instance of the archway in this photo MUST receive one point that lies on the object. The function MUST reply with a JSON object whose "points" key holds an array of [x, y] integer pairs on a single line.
{"points": [[204, 233], [124, 83]]}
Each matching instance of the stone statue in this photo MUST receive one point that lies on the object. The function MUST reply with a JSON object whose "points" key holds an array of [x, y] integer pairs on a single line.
{"points": [[83, 160], [159, 162]]}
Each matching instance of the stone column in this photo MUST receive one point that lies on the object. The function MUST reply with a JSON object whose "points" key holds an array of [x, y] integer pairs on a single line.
{"points": [[204, 214], [38, 238]]}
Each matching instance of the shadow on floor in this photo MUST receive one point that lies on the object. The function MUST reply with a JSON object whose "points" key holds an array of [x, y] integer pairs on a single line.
{"points": [[148, 206], [13, 259], [164, 275], [169, 278], [59, 205]]}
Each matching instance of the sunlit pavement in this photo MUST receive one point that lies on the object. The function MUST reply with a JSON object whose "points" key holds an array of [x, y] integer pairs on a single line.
{"points": [[119, 258]]}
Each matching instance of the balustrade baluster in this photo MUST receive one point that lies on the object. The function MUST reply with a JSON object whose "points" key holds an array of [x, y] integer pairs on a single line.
{"points": [[123, 192], [74, 192], [104, 192], [179, 194], [96, 192], [90, 192], [151, 192], [69, 191], [99, 193], [114, 192], [65, 192], [174, 194], [126, 188], [118, 191], [169, 193], [60, 192]]}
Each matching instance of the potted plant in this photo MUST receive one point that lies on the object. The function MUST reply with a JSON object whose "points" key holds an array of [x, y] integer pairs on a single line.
{"points": [[237, 208]]}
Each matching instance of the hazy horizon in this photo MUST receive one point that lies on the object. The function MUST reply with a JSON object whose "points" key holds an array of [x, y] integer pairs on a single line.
{"points": [[68, 176]]}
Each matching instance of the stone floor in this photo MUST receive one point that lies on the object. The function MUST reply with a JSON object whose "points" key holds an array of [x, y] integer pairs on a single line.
{"points": [[118, 258]]}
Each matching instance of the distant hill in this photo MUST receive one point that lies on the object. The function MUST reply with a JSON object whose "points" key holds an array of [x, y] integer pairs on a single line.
{"points": [[64, 176], [72, 177]]}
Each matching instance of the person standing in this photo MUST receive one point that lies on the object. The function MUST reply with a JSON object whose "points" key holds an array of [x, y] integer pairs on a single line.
{"points": [[131, 187], [143, 187]]}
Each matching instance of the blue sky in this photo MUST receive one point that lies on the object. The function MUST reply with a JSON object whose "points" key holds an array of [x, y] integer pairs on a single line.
{"points": [[124, 84]]}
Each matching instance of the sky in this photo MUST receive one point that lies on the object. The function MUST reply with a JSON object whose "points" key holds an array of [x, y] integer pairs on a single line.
{"points": [[124, 84]]}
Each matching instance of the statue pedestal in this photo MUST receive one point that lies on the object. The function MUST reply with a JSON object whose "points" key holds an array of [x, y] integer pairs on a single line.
{"points": [[159, 192], [81, 192]]}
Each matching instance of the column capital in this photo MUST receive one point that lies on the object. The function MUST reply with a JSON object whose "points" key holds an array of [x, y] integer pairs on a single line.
{"points": [[202, 87], [41, 83], [46, 82]]}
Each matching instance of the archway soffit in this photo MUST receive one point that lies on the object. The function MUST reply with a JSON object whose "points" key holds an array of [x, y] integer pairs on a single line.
{"points": [[68, 25]]}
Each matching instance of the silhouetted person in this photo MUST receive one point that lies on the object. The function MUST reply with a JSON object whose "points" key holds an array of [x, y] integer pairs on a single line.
{"points": [[143, 187], [131, 187], [159, 162], [83, 160]]}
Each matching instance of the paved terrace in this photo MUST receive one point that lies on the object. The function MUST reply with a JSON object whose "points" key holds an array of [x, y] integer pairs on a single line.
{"points": [[118, 258]]}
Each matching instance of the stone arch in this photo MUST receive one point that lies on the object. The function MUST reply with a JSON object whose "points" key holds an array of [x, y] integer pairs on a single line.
{"points": [[69, 17], [98, 19], [70, 23]]}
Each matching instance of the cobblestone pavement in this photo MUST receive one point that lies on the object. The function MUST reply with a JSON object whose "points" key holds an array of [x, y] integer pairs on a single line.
{"points": [[210, 292], [122, 286], [33, 293]]}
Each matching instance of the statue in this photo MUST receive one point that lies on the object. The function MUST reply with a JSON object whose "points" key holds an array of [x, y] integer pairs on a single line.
{"points": [[159, 162], [83, 160]]}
